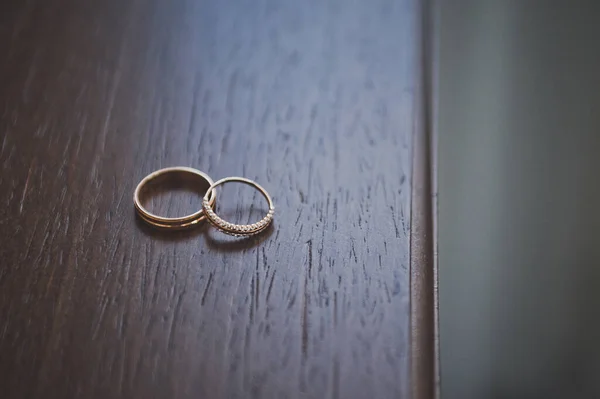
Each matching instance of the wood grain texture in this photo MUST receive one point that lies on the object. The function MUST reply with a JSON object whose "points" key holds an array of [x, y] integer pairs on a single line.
{"points": [[313, 99]]}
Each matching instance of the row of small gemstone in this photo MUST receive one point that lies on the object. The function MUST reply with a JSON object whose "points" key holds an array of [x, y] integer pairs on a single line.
{"points": [[232, 228]]}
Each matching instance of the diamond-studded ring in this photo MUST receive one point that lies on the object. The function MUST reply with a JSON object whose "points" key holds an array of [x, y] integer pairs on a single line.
{"points": [[237, 229]]}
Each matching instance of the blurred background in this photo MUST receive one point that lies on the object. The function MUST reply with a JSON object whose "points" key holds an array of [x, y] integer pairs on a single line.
{"points": [[518, 121]]}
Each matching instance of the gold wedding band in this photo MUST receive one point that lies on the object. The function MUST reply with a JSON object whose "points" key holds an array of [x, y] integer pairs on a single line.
{"points": [[176, 222], [237, 229]]}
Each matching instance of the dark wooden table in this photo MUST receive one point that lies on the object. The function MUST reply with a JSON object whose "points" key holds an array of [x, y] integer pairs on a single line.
{"points": [[313, 99]]}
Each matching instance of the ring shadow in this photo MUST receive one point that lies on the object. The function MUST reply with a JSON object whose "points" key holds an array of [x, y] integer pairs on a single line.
{"points": [[167, 235], [226, 245], [239, 244]]}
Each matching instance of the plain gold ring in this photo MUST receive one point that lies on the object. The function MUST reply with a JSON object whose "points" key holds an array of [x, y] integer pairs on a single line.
{"points": [[175, 222], [237, 230]]}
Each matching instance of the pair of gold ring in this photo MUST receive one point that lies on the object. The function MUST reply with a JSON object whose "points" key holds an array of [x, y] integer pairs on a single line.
{"points": [[207, 212]]}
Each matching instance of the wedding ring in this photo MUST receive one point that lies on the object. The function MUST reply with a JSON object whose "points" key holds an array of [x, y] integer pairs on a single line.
{"points": [[174, 173], [237, 229]]}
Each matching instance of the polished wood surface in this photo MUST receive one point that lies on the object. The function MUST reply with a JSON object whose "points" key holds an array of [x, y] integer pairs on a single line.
{"points": [[312, 99]]}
